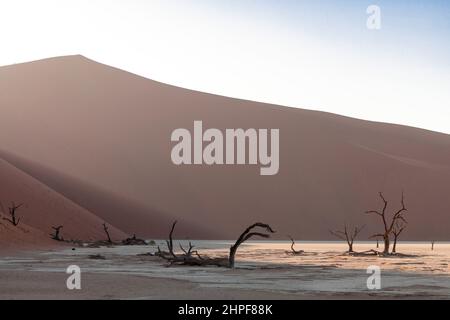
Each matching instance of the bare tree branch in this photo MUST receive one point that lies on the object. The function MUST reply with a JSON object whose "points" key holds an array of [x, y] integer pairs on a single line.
{"points": [[396, 231], [347, 236], [295, 252], [189, 251], [170, 241], [12, 212], [389, 227], [188, 258], [105, 228], [247, 235]]}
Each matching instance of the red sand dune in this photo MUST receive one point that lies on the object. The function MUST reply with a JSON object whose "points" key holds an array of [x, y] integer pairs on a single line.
{"points": [[42, 208], [92, 132], [132, 217], [22, 237]]}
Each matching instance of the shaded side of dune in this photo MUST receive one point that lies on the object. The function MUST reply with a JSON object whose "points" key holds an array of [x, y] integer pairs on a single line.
{"points": [[42, 208], [129, 215]]}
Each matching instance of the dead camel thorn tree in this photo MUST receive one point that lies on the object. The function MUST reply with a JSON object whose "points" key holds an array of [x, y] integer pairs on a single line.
{"points": [[189, 257], [293, 251], [12, 212], [170, 241], [193, 258], [247, 234], [105, 228], [388, 225], [189, 251], [55, 236], [348, 236], [398, 229]]}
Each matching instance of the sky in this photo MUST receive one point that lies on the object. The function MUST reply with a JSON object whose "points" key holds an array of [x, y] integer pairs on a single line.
{"points": [[316, 55]]}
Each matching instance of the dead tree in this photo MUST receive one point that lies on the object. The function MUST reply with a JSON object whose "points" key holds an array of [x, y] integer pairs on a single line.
{"points": [[247, 234], [105, 228], [55, 236], [170, 241], [348, 236], [189, 251], [388, 225], [12, 212], [295, 252], [396, 231], [191, 257]]}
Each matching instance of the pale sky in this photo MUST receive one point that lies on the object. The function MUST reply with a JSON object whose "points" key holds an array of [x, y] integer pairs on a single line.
{"points": [[308, 54]]}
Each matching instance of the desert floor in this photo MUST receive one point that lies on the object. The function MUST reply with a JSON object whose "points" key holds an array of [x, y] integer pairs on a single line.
{"points": [[265, 270]]}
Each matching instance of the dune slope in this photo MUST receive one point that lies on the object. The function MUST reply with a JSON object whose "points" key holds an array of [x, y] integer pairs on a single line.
{"points": [[111, 130], [42, 208]]}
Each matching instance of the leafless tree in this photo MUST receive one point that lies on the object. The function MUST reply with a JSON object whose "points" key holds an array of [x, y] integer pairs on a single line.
{"points": [[12, 212], [170, 241], [295, 252], [247, 234], [105, 228], [192, 257], [189, 257], [388, 225], [55, 236], [348, 236], [189, 251], [396, 231]]}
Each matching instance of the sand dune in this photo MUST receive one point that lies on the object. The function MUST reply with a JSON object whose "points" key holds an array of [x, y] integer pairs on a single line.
{"points": [[42, 208], [132, 217], [110, 130], [22, 237]]}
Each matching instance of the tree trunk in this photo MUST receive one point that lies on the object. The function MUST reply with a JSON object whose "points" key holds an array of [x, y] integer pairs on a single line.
{"points": [[232, 255], [394, 247], [350, 247], [246, 235], [105, 228], [386, 244]]}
